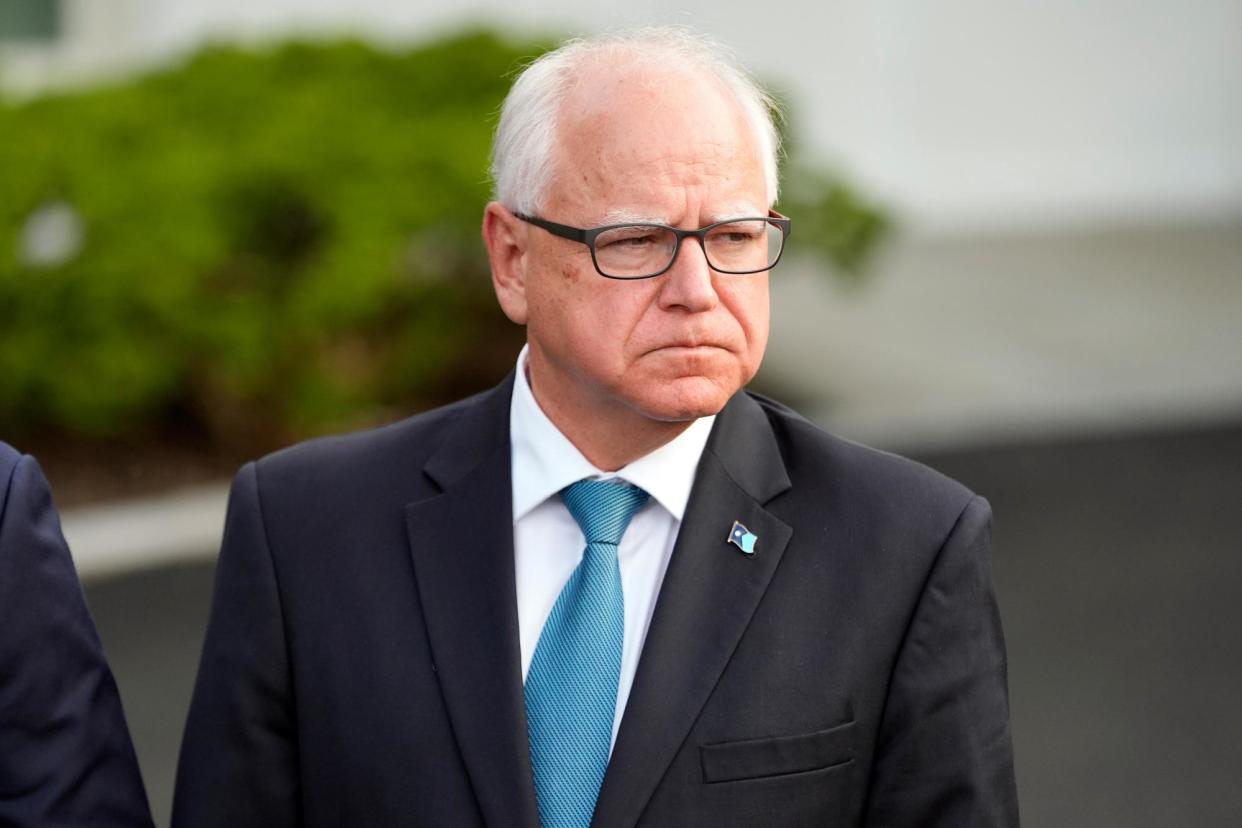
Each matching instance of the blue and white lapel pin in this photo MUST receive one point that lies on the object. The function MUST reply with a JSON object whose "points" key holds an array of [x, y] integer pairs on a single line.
{"points": [[742, 538]]}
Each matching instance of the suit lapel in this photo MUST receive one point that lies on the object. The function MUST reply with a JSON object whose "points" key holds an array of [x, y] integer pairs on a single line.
{"points": [[462, 545], [707, 599]]}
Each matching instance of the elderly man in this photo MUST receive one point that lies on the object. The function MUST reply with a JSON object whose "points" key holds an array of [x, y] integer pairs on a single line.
{"points": [[615, 590]]}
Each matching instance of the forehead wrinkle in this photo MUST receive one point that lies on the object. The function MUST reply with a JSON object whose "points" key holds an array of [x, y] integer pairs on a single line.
{"points": [[708, 166], [673, 175]]}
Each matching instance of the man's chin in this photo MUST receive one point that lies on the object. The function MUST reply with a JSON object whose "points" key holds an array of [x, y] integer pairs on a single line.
{"points": [[685, 399]]}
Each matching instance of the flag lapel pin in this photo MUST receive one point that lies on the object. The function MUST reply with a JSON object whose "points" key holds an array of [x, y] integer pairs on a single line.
{"points": [[742, 538]]}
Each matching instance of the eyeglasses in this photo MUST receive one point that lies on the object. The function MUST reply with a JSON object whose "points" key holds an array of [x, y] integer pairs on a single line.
{"points": [[643, 250]]}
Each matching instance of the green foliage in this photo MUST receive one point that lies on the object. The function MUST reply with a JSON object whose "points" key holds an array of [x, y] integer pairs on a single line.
{"points": [[275, 243], [834, 220]]}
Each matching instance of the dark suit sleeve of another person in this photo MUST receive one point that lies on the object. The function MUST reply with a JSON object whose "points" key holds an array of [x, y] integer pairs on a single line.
{"points": [[239, 756], [65, 753], [944, 755]]}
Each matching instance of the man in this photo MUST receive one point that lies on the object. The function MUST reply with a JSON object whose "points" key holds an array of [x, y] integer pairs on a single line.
{"points": [[616, 590], [65, 754]]}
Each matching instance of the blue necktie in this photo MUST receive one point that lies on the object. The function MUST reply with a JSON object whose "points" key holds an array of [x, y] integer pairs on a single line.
{"points": [[571, 687]]}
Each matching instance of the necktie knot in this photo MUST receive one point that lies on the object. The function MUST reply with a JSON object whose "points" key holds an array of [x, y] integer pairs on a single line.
{"points": [[603, 508]]}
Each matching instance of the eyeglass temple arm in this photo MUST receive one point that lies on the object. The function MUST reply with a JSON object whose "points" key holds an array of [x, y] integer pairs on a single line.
{"points": [[562, 230]]}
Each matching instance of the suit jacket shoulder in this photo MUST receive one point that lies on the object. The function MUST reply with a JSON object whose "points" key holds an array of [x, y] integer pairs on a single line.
{"points": [[8, 461], [385, 465], [317, 662], [65, 752], [863, 485]]}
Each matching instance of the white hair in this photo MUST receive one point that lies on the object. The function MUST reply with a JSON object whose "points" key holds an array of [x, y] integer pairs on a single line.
{"points": [[524, 146]]}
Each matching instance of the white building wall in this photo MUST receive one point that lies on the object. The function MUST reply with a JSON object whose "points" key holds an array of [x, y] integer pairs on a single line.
{"points": [[98, 40]]}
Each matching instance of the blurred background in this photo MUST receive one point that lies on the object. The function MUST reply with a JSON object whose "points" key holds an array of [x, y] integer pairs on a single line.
{"points": [[228, 225]]}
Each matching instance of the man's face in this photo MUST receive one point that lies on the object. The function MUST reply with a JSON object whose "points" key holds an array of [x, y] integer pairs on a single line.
{"points": [[669, 148]]}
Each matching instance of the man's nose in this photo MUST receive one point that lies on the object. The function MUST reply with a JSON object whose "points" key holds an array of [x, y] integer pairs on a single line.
{"points": [[688, 282]]}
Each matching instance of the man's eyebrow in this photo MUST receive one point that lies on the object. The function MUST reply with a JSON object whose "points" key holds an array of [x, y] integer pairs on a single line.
{"points": [[630, 217], [739, 209]]}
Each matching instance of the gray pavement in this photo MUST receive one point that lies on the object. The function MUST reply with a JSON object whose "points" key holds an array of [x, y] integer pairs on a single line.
{"points": [[152, 623], [141, 533]]}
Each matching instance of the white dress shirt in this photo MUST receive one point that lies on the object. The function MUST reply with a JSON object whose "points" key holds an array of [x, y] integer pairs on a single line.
{"points": [[548, 544]]}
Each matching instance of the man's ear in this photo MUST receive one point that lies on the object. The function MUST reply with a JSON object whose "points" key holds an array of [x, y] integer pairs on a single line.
{"points": [[505, 236]]}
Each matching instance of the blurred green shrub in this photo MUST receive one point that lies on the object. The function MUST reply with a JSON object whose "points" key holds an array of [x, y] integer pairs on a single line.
{"points": [[835, 221], [272, 243]]}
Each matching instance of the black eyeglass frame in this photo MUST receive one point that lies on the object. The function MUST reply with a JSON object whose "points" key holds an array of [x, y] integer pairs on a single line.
{"points": [[588, 236]]}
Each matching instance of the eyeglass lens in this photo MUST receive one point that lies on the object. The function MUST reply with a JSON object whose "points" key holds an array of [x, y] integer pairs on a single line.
{"points": [[638, 250]]}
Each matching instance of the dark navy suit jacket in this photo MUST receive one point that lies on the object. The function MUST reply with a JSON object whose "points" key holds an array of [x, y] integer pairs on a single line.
{"points": [[65, 753], [362, 664]]}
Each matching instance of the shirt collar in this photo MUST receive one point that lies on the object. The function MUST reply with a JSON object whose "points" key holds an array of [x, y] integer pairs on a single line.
{"points": [[544, 461]]}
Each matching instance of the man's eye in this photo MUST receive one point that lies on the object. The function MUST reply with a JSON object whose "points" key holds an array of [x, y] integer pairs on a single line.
{"points": [[730, 237], [738, 233], [636, 242], [639, 241]]}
